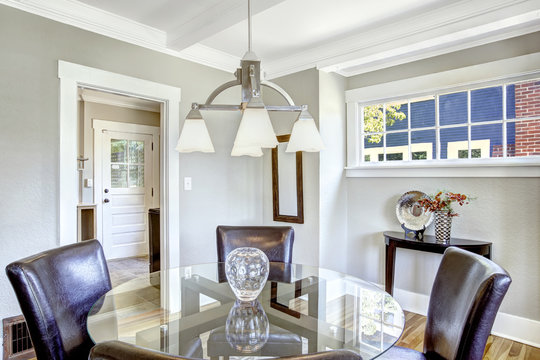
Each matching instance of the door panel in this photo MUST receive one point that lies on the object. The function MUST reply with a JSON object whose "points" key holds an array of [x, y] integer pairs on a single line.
{"points": [[127, 184]]}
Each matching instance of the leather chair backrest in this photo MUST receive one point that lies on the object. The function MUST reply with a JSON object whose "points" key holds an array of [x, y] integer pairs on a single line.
{"points": [[55, 290], [118, 350], [465, 298], [276, 241]]}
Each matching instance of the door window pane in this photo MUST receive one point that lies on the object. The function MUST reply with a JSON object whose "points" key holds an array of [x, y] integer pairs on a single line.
{"points": [[487, 104], [136, 175], [118, 151], [136, 152], [453, 108], [119, 176]]}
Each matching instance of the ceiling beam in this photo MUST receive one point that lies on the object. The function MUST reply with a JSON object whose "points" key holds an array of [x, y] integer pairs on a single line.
{"points": [[219, 17]]}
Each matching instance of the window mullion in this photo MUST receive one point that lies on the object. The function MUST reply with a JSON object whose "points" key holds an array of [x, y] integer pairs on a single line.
{"points": [[384, 131], [469, 155], [437, 130], [409, 129], [504, 135]]}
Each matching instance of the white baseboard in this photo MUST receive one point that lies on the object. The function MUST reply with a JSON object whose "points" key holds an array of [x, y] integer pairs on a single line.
{"points": [[508, 326]]}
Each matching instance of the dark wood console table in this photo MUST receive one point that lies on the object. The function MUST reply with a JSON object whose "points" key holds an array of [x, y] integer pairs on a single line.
{"points": [[397, 239]]}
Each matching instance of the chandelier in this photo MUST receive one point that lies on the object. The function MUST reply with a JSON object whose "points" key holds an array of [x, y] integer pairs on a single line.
{"points": [[255, 131]]}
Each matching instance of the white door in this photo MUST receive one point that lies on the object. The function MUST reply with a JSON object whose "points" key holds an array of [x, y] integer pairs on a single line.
{"points": [[127, 172]]}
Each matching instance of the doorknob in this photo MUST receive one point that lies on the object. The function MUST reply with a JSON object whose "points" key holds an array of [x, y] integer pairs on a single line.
{"points": [[106, 191], [106, 200]]}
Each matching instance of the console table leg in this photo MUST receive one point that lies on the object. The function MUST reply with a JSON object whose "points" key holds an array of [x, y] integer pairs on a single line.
{"points": [[390, 263]]}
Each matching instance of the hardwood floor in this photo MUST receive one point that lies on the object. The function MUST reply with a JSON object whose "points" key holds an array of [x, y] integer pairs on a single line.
{"points": [[497, 348]]}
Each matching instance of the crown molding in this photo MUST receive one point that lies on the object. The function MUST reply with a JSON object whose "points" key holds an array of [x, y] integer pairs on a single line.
{"points": [[456, 26], [93, 19]]}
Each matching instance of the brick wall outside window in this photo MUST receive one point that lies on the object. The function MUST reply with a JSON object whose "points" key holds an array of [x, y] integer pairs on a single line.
{"points": [[527, 131]]}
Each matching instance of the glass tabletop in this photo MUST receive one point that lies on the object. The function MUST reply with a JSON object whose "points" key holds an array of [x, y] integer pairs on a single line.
{"points": [[302, 309]]}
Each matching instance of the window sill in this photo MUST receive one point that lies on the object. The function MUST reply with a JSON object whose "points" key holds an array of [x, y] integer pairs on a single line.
{"points": [[529, 167]]}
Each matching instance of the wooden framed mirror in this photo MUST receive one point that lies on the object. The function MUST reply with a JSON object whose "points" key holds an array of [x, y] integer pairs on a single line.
{"points": [[287, 184]]}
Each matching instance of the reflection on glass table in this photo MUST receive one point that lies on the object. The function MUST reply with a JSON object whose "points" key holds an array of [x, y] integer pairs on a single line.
{"points": [[302, 309]]}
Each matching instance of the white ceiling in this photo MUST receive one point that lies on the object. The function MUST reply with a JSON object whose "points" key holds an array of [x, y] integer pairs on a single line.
{"points": [[346, 36]]}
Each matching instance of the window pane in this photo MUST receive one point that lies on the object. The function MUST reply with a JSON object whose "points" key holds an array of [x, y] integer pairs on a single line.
{"points": [[527, 99], [373, 118], [396, 146], [527, 137], [136, 175], [453, 109], [510, 140], [486, 104], [396, 116], [423, 113], [373, 146], [488, 139], [510, 102], [423, 142], [453, 140], [119, 176], [136, 151], [118, 151]]}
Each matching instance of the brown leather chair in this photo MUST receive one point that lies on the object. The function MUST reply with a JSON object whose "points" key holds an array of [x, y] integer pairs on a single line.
{"points": [[117, 350], [56, 289], [465, 298], [276, 241]]}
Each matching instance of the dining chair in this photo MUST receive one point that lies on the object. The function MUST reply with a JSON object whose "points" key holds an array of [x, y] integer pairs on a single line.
{"points": [[275, 241], [465, 298], [56, 289], [118, 350]]}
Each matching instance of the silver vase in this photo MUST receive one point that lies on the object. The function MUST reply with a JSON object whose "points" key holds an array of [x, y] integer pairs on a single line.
{"points": [[443, 227]]}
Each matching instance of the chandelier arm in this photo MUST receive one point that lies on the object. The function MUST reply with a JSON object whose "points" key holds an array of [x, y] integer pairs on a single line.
{"points": [[222, 88], [280, 90]]}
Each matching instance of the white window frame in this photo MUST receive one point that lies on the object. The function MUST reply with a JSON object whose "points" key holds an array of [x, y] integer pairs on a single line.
{"points": [[469, 78]]}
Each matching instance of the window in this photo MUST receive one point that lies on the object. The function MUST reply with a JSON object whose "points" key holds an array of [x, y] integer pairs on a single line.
{"points": [[127, 163], [492, 121]]}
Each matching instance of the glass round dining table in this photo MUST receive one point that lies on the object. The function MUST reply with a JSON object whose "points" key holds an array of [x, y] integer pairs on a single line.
{"points": [[191, 311]]}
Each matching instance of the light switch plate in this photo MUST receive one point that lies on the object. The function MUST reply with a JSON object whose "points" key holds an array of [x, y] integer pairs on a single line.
{"points": [[187, 183], [88, 183]]}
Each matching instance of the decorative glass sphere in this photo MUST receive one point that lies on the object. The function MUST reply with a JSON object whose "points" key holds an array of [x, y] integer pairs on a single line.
{"points": [[247, 270], [247, 327]]}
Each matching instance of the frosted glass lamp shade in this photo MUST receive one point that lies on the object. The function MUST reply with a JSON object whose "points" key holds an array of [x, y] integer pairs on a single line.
{"points": [[305, 136], [194, 137], [254, 151], [255, 130]]}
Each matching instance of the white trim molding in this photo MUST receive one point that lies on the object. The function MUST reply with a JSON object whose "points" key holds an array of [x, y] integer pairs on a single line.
{"points": [[71, 77], [506, 325]]}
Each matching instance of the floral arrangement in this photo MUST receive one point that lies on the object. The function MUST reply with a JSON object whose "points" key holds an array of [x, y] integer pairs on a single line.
{"points": [[443, 202]]}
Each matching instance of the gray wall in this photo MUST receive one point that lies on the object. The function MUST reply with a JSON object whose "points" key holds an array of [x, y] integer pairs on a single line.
{"points": [[225, 189], [303, 87], [507, 210]]}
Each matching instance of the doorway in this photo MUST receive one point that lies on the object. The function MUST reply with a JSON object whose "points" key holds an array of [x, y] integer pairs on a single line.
{"points": [[71, 77]]}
